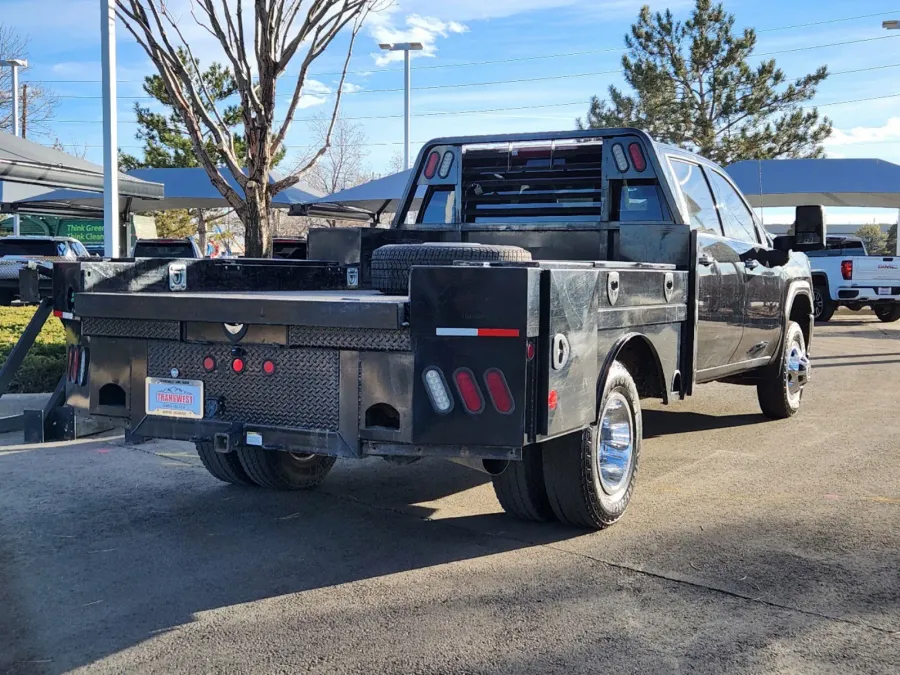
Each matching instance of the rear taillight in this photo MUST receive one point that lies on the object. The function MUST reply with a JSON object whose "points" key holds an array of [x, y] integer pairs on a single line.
{"points": [[847, 269], [432, 164], [209, 364], [437, 390], [446, 164], [238, 365], [619, 157], [77, 361], [499, 391], [637, 157], [468, 390], [269, 367]]}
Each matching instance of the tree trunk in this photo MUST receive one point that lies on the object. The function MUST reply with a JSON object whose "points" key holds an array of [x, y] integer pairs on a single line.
{"points": [[255, 217], [201, 230]]}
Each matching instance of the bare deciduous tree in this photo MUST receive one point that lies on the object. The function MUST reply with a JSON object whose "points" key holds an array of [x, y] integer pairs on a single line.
{"points": [[38, 105], [258, 55]]}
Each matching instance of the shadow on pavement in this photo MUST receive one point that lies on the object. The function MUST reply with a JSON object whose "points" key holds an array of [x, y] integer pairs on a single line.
{"points": [[664, 422]]}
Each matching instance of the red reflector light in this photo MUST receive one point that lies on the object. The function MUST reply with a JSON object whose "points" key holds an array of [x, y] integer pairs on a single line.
{"points": [[529, 351], [209, 364], [269, 367], [847, 269], [238, 365], [432, 164], [553, 400], [637, 157], [468, 390], [499, 391]]}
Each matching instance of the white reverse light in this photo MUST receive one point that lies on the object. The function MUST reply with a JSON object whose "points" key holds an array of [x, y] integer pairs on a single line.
{"points": [[437, 390]]}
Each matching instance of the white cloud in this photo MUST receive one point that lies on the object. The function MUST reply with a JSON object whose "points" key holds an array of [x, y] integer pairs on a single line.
{"points": [[424, 29], [889, 131], [315, 87], [350, 88]]}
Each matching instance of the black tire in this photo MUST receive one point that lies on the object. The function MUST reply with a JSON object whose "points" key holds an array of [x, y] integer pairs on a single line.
{"points": [[572, 476], [779, 395], [887, 313], [226, 467], [823, 305], [520, 488], [284, 470], [391, 264]]}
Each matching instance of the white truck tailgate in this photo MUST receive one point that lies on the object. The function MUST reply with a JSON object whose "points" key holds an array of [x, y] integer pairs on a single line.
{"points": [[876, 268]]}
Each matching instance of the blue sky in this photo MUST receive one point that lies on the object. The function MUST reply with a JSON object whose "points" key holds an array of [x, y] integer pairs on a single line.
{"points": [[65, 46]]}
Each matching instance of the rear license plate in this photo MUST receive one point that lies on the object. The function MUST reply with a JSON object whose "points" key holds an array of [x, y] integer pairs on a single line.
{"points": [[884, 291], [175, 398]]}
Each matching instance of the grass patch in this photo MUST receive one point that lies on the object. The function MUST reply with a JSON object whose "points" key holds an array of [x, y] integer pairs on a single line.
{"points": [[46, 360]]}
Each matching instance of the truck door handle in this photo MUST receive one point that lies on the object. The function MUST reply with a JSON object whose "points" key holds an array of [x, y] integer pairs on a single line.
{"points": [[706, 260], [751, 264]]}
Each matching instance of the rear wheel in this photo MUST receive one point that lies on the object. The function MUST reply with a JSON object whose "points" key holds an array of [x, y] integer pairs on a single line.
{"points": [[887, 313], [823, 305], [520, 488], [284, 470], [779, 395], [224, 466], [590, 476]]}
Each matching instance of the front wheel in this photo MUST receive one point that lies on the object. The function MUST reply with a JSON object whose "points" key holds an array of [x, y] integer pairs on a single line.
{"points": [[823, 305], [590, 476], [887, 313], [284, 470], [779, 394]]}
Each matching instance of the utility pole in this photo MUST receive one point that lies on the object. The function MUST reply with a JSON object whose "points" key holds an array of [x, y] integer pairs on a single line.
{"points": [[406, 48], [25, 110], [15, 64], [110, 135]]}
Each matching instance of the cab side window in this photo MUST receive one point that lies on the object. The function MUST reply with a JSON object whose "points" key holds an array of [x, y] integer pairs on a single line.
{"points": [[737, 219], [700, 204]]}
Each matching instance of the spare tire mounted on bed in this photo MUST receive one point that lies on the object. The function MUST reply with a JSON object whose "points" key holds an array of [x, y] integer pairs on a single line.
{"points": [[391, 264]]}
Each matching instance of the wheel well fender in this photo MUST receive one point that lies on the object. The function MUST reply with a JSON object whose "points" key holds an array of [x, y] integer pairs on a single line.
{"points": [[820, 279], [637, 353], [798, 307]]}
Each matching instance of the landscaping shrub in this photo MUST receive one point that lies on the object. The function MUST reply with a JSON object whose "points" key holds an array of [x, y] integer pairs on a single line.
{"points": [[45, 362]]}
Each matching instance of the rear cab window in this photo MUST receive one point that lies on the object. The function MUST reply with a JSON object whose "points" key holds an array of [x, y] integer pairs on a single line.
{"points": [[31, 247], [164, 249]]}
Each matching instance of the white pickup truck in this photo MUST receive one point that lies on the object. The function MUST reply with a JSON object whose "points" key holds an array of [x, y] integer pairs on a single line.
{"points": [[844, 274]]}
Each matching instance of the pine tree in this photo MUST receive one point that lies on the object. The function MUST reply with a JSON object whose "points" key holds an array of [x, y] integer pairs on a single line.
{"points": [[692, 85], [873, 238]]}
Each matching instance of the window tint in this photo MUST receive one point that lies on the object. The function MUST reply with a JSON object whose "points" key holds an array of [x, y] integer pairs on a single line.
{"points": [[698, 199], [736, 217], [37, 247], [79, 249], [837, 248], [163, 250], [439, 206], [641, 202]]}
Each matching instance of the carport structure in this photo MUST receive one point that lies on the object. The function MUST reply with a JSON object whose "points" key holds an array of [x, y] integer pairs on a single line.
{"points": [[22, 161]]}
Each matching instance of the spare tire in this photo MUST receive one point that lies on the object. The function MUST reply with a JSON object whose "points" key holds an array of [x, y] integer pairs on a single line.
{"points": [[391, 264]]}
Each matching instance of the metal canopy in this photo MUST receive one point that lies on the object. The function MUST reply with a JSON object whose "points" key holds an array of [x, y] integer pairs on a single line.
{"points": [[184, 189], [826, 182], [376, 196], [22, 161]]}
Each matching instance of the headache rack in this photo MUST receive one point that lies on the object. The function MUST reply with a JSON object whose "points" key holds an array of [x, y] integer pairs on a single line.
{"points": [[559, 181]]}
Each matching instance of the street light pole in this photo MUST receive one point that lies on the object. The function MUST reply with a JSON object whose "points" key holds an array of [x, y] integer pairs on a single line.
{"points": [[406, 48], [894, 25], [14, 65], [110, 135]]}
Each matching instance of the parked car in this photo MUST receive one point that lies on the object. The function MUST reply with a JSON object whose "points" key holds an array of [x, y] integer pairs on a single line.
{"points": [[844, 274], [166, 248], [547, 284], [44, 251]]}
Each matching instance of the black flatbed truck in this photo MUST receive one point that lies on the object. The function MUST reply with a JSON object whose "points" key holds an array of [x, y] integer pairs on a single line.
{"points": [[546, 283]]}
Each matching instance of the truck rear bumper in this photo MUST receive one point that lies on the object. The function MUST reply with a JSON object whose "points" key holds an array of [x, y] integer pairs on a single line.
{"points": [[868, 293], [228, 436]]}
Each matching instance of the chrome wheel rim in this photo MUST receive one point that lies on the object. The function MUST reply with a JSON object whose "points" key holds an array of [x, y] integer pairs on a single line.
{"points": [[615, 441], [797, 367], [818, 303]]}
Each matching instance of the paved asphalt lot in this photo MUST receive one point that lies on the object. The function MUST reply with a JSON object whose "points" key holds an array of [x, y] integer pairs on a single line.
{"points": [[751, 546]]}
